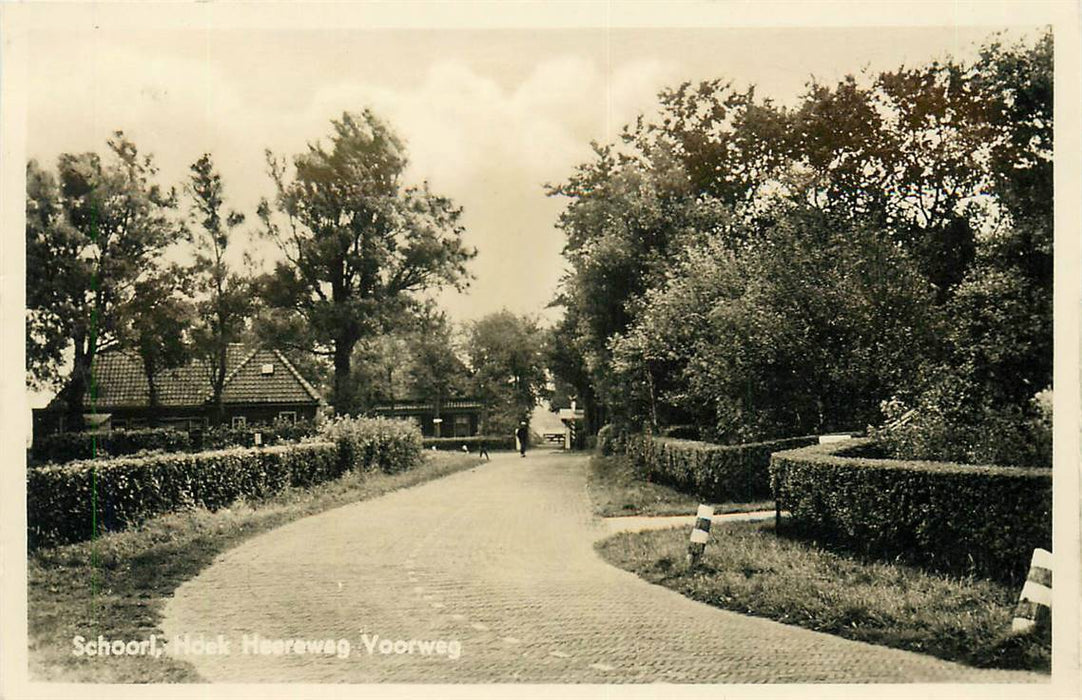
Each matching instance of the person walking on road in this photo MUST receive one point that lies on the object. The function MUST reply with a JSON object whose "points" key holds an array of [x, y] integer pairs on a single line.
{"points": [[523, 435], [482, 451]]}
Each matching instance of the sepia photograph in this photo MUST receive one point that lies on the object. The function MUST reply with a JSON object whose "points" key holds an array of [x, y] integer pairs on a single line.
{"points": [[491, 346]]}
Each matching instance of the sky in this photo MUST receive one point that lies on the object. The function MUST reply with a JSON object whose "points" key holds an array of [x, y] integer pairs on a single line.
{"points": [[489, 116]]}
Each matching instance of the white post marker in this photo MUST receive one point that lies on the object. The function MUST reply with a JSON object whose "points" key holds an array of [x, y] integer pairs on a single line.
{"points": [[700, 534], [1035, 603]]}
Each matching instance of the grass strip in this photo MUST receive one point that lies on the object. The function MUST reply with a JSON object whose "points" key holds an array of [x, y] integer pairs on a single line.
{"points": [[618, 488], [749, 569], [117, 585]]}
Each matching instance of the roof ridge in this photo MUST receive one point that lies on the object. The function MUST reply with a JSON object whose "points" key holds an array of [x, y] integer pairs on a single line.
{"points": [[297, 375]]}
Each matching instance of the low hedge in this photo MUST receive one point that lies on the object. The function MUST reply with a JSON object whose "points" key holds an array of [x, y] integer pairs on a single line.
{"points": [[492, 442], [81, 499], [714, 473], [959, 519], [66, 447]]}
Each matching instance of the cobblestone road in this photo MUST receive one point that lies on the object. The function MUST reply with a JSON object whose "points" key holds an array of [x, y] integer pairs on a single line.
{"points": [[500, 560]]}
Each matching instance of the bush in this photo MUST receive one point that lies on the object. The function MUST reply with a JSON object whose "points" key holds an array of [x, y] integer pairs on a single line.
{"points": [[492, 442], [81, 499], [955, 518], [715, 473], [948, 424], [65, 447], [375, 443], [279, 432]]}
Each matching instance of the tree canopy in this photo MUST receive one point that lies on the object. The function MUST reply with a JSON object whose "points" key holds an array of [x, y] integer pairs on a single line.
{"points": [[359, 247], [760, 270]]}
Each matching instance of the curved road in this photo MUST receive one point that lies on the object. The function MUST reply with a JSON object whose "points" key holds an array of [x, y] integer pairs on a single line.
{"points": [[497, 563]]}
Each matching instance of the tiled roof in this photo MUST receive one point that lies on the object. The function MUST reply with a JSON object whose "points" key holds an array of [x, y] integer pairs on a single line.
{"points": [[121, 382], [247, 384]]}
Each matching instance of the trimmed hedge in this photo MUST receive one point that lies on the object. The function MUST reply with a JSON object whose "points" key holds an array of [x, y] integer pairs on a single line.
{"points": [[375, 443], [66, 447], [81, 499], [714, 473], [78, 500], [493, 442], [959, 519]]}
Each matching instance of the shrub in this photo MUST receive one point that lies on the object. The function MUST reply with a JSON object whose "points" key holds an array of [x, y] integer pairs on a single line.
{"points": [[65, 447], [279, 432], [716, 473], [955, 518], [949, 424], [77, 500], [375, 443], [492, 442]]}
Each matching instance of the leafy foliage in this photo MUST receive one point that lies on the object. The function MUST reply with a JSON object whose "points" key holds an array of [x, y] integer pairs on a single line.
{"points": [[93, 232], [374, 443], [358, 246], [226, 299], [505, 352], [759, 271]]}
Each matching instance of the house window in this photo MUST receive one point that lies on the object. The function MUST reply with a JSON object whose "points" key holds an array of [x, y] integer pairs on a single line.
{"points": [[240, 422], [462, 425], [267, 369], [288, 416]]}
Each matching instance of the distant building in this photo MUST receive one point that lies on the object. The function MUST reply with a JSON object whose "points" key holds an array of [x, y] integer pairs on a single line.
{"points": [[261, 386], [455, 417]]}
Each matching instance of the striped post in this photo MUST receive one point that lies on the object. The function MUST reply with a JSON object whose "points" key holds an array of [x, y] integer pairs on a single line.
{"points": [[1035, 603], [700, 534]]}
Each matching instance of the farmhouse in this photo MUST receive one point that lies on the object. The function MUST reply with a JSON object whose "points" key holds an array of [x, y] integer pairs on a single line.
{"points": [[451, 418], [261, 386]]}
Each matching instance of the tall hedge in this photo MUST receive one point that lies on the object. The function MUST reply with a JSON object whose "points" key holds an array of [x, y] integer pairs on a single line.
{"points": [[715, 473], [961, 519], [80, 499], [77, 500]]}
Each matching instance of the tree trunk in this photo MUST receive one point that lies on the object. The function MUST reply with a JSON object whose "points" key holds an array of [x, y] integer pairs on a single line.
{"points": [[75, 392], [343, 394]]}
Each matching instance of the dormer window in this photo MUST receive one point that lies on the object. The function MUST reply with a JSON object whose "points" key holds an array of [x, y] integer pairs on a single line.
{"points": [[267, 369]]}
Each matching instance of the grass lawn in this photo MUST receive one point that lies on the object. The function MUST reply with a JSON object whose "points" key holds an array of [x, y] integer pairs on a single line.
{"points": [[749, 569], [618, 488], [117, 585]]}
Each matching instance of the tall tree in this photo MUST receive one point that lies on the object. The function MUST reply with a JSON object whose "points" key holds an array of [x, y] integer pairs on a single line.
{"points": [[359, 247], [226, 298], [93, 232], [155, 323], [506, 354], [436, 371]]}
